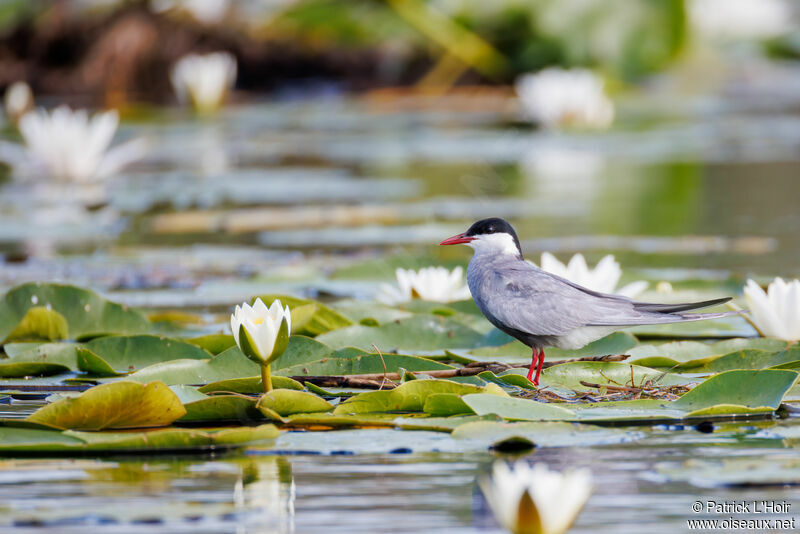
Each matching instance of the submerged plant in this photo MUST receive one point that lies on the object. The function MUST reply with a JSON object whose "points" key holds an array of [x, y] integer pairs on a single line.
{"points": [[435, 284], [557, 98], [68, 145], [603, 278], [262, 333], [535, 500], [204, 80], [775, 313]]}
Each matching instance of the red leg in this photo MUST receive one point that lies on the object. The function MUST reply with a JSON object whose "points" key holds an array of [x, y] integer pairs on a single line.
{"points": [[539, 367], [533, 365]]}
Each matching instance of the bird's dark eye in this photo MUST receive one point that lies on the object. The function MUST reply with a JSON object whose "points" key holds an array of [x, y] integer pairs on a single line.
{"points": [[490, 230]]}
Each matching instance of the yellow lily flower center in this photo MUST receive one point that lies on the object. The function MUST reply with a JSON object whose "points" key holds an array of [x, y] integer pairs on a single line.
{"points": [[258, 320]]}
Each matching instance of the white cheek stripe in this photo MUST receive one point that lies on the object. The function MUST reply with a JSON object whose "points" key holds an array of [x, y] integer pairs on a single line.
{"points": [[494, 244]]}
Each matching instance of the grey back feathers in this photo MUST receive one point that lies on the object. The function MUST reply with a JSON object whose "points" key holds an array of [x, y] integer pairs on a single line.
{"points": [[541, 309]]}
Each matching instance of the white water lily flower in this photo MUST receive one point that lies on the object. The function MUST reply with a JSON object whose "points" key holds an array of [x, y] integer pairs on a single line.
{"points": [[741, 19], [204, 80], [555, 97], [69, 146], [262, 326], [535, 500], [18, 100], [603, 278], [776, 313], [436, 284]]}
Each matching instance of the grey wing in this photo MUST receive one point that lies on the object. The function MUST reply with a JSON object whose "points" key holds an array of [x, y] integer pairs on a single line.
{"points": [[528, 299], [538, 303]]}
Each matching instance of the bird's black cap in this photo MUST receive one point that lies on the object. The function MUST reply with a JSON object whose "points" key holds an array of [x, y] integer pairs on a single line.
{"points": [[494, 225]]}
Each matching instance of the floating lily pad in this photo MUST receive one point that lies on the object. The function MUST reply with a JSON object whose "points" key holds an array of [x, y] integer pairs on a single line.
{"points": [[28, 440], [688, 355], [714, 328], [616, 343], [569, 375], [40, 322], [117, 405], [227, 365], [87, 313], [516, 409], [251, 384], [752, 359], [408, 397], [289, 402], [22, 369], [125, 354], [222, 408], [213, 343], [421, 332], [311, 317]]}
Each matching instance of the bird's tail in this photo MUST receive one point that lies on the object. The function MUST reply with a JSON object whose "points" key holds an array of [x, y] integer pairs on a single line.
{"points": [[675, 308]]}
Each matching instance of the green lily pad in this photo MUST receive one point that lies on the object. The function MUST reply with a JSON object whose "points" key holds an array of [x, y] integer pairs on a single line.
{"points": [[751, 389], [125, 354], [312, 318], [445, 405], [213, 343], [87, 313], [222, 408], [57, 353], [31, 440], [685, 355], [408, 397], [347, 362], [289, 402], [616, 343], [516, 409], [250, 385], [421, 332], [751, 359], [227, 365], [117, 405], [40, 322], [22, 369], [569, 375]]}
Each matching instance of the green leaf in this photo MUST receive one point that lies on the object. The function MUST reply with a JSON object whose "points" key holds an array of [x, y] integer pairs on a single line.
{"points": [[229, 364], [250, 385], [751, 389], [750, 359], [222, 408], [569, 375], [323, 319], [346, 363], [421, 332], [616, 343], [125, 354], [40, 322], [445, 405], [408, 397], [517, 409], [117, 405], [32, 440], [288, 402], [87, 313], [23, 369], [213, 343], [689, 355]]}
